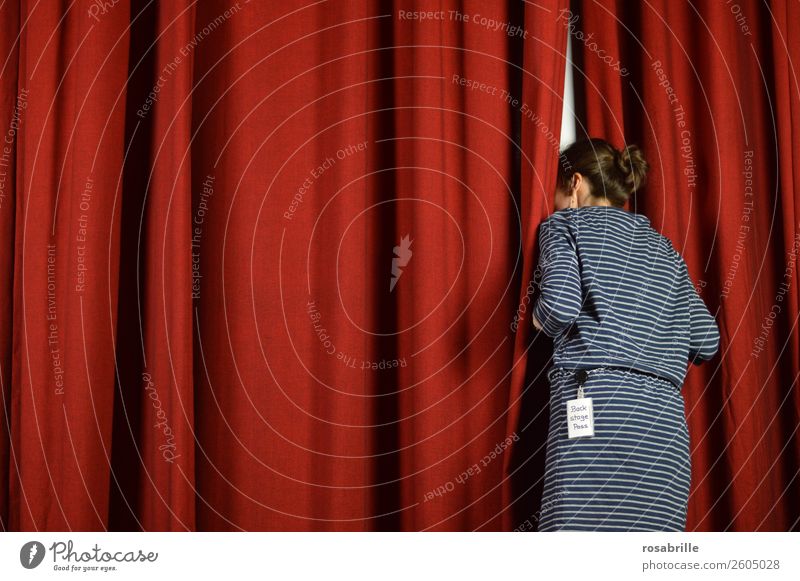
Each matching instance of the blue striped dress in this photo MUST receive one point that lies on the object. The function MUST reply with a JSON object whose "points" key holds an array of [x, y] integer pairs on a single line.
{"points": [[619, 304]]}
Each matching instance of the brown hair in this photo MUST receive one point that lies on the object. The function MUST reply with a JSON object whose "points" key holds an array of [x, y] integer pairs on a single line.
{"points": [[612, 174]]}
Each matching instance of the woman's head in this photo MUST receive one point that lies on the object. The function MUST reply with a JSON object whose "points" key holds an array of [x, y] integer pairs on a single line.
{"points": [[591, 172]]}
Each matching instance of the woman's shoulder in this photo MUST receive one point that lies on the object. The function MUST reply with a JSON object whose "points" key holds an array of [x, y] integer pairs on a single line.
{"points": [[668, 250], [560, 216], [667, 245]]}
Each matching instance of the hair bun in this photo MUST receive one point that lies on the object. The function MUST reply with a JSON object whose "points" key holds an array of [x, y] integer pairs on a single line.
{"points": [[612, 175], [633, 167]]}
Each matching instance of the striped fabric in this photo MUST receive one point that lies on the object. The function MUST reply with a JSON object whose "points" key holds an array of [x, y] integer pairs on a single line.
{"points": [[634, 473], [613, 291], [615, 294]]}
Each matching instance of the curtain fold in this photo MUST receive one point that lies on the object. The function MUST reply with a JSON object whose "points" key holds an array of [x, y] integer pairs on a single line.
{"points": [[709, 90], [65, 140], [153, 463], [9, 26], [540, 110]]}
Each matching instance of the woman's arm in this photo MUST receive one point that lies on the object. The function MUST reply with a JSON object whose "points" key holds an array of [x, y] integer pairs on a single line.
{"points": [[703, 330], [559, 301]]}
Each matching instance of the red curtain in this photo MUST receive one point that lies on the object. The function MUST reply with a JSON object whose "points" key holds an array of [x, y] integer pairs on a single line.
{"points": [[261, 262], [711, 92]]}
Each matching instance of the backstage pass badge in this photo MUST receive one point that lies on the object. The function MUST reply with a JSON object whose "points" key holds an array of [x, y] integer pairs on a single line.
{"points": [[580, 415]]}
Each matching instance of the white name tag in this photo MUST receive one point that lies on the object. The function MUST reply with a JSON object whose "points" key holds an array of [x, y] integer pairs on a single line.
{"points": [[580, 417]]}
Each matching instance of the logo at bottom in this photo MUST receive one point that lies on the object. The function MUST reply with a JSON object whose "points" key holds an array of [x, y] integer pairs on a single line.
{"points": [[31, 554]]}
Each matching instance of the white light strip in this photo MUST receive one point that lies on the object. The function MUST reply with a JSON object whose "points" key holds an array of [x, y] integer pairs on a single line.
{"points": [[568, 123]]}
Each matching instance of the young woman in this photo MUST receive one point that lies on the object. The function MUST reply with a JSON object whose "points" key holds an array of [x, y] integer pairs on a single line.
{"points": [[625, 318]]}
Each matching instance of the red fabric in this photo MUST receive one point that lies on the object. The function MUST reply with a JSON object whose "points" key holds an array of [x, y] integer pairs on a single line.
{"points": [[159, 148], [732, 67], [162, 141]]}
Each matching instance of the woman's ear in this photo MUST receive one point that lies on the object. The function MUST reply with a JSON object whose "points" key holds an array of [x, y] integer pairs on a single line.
{"points": [[572, 192], [581, 190], [575, 182]]}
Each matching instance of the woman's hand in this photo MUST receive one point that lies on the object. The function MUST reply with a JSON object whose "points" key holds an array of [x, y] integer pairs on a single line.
{"points": [[536, 323]]}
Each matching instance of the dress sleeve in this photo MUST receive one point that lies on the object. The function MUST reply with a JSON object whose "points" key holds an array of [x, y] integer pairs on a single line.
{"points": [[703, 330], [559, 301]]}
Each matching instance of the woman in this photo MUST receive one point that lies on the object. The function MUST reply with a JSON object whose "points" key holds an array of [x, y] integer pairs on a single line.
{"points": [[625, 318]]}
